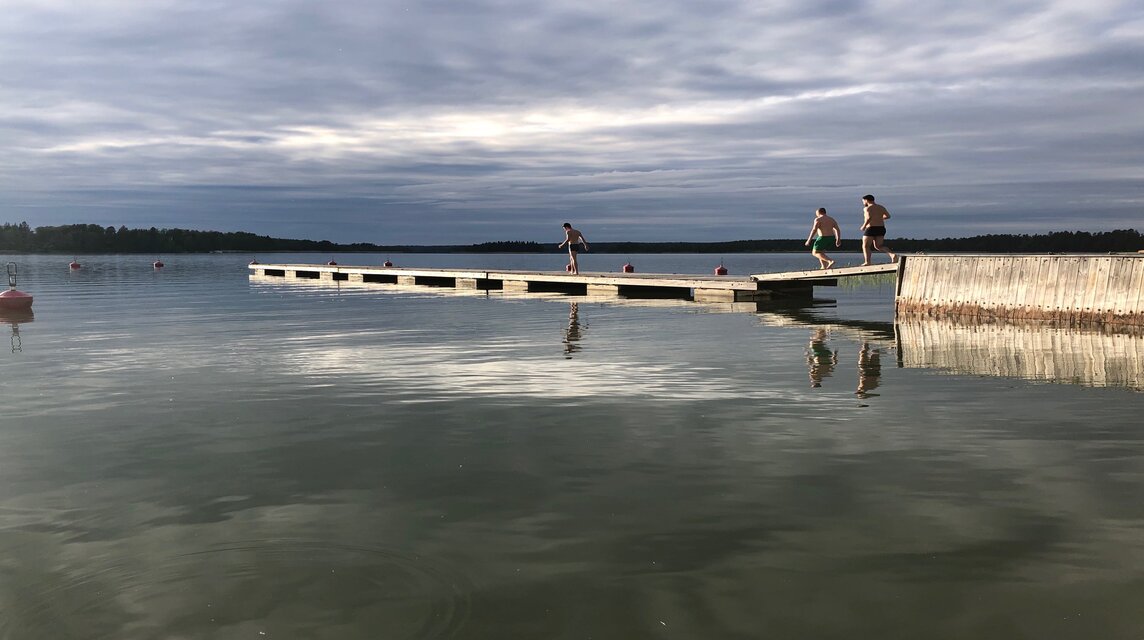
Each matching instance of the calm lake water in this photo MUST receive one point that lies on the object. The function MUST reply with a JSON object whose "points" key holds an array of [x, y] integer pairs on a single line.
{"points": [[192, 453]]}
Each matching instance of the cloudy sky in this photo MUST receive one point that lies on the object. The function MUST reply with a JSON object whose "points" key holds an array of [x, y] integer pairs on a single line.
{"points": [[464, 121]]}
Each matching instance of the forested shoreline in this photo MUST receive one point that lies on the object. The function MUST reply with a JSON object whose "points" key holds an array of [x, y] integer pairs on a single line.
{"points": [[89, 238]]}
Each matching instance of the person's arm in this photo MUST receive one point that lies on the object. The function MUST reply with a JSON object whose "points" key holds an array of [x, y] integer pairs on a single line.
{"points": [[811, 234], [584, 241], [865, 220], [837, 235], [566, 238]]}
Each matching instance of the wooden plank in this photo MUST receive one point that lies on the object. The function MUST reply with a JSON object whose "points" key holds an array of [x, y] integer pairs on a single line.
{"points": [[1047, 301], [812, 274], [1118, 278], [1074, 296], [647, 280], [976, 272], [714, 295], [603, 289], [1088, 283], [1102, 282], [1135, 301], [1024, 270]]}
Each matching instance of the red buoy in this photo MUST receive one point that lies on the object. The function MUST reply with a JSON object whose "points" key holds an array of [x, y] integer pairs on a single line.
{"points": [[14, 300], [387, 263], [332, 263], [158, 264], [628, 268], [568, 267], [253, 262], [73, 264], [720, 270]]}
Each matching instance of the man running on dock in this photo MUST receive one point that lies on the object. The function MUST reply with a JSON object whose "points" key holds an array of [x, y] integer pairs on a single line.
{"points": [[576, 243], [874, 229], [829, 235]]}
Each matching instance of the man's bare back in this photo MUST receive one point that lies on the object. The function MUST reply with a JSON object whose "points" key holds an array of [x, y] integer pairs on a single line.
{"points": [[824, 225], [874, 229], [876, 215]]}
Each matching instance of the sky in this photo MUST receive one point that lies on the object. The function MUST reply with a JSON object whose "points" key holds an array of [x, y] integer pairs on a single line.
{"points": [[460, 122]]}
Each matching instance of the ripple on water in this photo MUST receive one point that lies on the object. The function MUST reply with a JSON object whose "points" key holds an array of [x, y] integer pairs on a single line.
{"points": [[265, 588]]}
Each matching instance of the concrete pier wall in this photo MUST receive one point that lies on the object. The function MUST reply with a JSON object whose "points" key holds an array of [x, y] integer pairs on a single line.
{"points": [[1065, 289]]}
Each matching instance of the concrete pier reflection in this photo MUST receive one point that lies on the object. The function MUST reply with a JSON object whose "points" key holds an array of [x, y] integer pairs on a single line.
{"points": [[1029, 351]]}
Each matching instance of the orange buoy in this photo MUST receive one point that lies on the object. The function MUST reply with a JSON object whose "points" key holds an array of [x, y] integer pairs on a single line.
{"points": [[720, 270], [14, 300], [628, 268]]}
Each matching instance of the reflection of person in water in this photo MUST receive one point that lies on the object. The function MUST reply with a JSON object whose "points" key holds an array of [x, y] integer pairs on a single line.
{"points": [[869, 370], [819, 358], [572, 334]]}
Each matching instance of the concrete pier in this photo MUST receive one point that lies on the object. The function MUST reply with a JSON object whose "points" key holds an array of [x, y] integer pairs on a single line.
{"points": [[1063, 289]]}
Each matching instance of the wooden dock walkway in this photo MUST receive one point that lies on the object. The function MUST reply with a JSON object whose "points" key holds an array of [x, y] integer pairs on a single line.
{"points": [[700, 288], [1105, 289]]}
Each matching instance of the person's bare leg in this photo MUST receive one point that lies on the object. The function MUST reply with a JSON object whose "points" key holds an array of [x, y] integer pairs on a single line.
{"points": [[575, 266], [820, 258], [866, 242], [884, 249]]}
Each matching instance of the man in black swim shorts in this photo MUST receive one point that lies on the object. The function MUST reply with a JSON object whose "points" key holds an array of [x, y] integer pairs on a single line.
{"points": [[576, 243], [873, 229]]}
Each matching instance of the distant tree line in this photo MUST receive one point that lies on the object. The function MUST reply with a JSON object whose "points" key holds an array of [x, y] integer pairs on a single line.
{"points": [[91, 238]]}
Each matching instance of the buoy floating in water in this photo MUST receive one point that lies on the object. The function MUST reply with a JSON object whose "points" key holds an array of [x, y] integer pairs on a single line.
{"points": [[253, 262], [15, 300], [628, 268], [387, 263], [158, 264], [332, 263], [12, 299], [720, 270], [73, 265]]}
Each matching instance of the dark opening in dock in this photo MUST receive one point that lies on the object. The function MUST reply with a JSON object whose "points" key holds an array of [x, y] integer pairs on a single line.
{"points": [[680, 293], [379, 277], [574, 288], [436, 281]]}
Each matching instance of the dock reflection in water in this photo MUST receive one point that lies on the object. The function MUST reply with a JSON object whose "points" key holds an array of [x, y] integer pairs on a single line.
{"points": [[1032, 352]]}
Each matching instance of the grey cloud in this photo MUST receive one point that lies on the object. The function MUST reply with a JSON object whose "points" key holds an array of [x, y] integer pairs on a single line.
{"points": [[465, 122]]}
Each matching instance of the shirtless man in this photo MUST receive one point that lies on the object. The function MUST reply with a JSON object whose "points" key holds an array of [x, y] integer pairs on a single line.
{"points": [[874, 229], [576, 243], [828, 234]]}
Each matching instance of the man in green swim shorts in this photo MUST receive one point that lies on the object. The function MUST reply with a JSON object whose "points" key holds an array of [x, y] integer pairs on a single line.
{"points": [[828, 235]]}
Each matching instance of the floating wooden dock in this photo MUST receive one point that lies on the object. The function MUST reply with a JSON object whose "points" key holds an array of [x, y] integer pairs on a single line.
{"points": [[1106, 289], [654, 285]]}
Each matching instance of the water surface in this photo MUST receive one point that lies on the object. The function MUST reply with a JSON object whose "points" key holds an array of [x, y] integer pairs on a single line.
{"points": [[193, 453]]}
